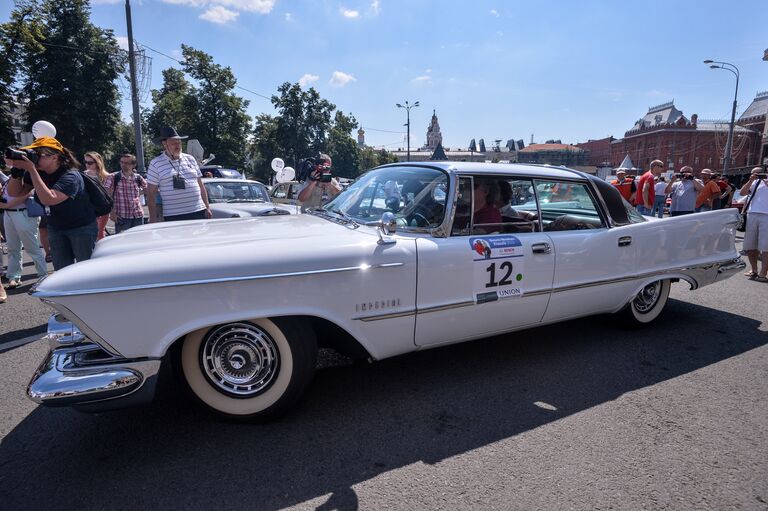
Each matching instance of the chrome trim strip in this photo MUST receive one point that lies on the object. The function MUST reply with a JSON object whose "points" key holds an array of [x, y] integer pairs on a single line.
{"points": [[391, 315], [718, 269], [83, 329], [54, 294]]}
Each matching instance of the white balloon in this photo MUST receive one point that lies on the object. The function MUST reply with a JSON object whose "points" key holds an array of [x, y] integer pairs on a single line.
{"points": [[286, 174], [43, 129], [277, 164]]}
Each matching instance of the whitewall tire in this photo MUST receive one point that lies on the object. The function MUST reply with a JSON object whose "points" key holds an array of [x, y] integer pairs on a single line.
{"points": [[249, 370], [648, 304]]}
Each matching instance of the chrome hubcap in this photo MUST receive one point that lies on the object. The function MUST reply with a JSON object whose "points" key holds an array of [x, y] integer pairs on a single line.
{"points": [[647, 298], [240, 359]]}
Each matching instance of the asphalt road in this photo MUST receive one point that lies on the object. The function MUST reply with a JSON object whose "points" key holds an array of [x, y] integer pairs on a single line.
{"points": [[580, 415]]}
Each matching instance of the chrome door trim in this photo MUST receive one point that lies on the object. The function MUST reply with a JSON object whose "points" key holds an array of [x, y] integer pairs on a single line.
{"points": [[362, 267]]}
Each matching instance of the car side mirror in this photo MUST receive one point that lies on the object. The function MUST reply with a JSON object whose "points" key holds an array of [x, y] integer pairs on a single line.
{"points": [[387, 227]]}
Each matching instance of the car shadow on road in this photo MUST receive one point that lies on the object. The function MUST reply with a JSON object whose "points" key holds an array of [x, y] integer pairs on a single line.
{"points": [[357, 421]]}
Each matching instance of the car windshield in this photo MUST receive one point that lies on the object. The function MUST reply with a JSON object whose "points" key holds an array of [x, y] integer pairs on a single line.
{"points": [[228, 191], [415, 195]]}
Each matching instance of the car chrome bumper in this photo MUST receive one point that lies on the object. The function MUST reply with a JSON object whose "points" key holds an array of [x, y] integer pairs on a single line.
{"points": [[79, 373]]}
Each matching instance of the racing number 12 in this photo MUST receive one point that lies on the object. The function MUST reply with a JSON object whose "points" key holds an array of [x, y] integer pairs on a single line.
{"points": [[505, 280]]}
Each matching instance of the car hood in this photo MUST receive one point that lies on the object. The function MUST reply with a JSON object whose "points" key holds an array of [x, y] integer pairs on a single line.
{"points": [[156, 255], [245, 209]]}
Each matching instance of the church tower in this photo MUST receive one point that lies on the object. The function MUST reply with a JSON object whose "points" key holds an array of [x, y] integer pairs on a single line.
{"points": [[434, 137], [361, 137]]}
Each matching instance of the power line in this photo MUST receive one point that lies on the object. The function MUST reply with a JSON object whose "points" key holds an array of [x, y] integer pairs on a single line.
{"points": [[180, 62], [383, 131]]}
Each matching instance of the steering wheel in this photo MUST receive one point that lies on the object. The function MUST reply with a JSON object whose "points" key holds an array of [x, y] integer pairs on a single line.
{"points": [[420, 219]]}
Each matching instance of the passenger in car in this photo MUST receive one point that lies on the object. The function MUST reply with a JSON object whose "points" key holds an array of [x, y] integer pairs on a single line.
{"points": [[486, 196]]}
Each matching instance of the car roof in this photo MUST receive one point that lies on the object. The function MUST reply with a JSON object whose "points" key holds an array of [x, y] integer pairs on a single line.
{"points": [[228, 180], [526, 169]]}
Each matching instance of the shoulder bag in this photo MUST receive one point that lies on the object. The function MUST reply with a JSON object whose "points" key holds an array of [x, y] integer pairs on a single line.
{"points": [[742, 227]]}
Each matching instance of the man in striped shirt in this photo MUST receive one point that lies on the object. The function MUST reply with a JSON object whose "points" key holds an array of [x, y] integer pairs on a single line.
{"points": [[176, 176]]}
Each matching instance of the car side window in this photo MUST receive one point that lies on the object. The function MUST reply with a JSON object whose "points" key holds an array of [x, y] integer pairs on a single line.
{"points": [[567, 206], [495, 205]]}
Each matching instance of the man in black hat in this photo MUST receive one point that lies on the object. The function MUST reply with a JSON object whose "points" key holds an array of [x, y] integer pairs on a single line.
{"points": [[176, 176]]}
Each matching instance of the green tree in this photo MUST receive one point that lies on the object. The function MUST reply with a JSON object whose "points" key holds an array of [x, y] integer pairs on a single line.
{"points": [[22, 31], [71, 80], [222, 124], [125, 142], [264, 148], [342, 147], [303, 122], [174, 104]]}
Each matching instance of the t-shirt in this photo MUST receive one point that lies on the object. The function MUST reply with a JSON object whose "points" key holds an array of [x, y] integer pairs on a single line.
{"points": [[127, 194], [179, 201], [683, 196], [624, 187], [76, 211], [705, 195], [488, 214], [659, 188], [759, 203], [645, 178]]}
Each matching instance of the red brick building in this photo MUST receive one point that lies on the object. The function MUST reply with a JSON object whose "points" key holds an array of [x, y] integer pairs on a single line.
{"points": [[599, 150], [666, 134]]}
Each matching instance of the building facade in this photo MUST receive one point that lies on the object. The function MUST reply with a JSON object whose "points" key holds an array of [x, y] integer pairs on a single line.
{"points": [[665, 133]]}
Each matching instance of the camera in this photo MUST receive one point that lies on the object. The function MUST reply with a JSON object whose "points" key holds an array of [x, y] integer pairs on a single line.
{"points": [[688, 176], [18, 154], [761, 176], [678, 176], [308, 166]]}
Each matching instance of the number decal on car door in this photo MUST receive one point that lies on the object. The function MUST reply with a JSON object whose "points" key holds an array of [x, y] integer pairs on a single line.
{"points": [[498, 262]]}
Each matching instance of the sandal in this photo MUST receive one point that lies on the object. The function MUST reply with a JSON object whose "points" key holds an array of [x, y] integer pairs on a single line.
{"points": [[12, 284], [761, 278], [750, 274]]}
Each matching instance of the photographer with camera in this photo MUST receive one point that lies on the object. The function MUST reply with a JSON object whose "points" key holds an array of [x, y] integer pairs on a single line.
{"points": [[53, 172], [319, 183], [756, 233], [682, 189], [705, 201]]}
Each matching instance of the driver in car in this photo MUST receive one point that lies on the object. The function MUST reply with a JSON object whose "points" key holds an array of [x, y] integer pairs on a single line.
{"points": [[422, 209]]}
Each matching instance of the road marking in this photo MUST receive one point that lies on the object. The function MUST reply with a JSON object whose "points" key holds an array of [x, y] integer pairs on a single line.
{"points": [[19, 342]]}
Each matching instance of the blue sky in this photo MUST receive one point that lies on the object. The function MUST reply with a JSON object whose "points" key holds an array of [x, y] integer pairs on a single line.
{"points": [[492, 69]]}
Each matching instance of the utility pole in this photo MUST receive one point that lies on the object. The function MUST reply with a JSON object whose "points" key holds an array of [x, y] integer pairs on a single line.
{"points": [[134, 92]]}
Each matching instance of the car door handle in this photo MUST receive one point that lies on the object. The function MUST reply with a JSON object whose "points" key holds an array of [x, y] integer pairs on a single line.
{"points": [[625, 241], [541, 248]]}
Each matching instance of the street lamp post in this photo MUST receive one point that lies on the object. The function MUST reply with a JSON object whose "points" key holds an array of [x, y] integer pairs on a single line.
{"points": [[729, 145], [408, 125]]}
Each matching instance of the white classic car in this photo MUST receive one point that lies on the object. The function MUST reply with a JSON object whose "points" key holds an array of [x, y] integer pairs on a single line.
{"points": [[235, 198], [410, 256]]}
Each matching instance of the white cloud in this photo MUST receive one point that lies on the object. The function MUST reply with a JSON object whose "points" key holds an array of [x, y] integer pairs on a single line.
{"points": [[349, 13], [288, 16], [375, 7], [219, 15], [307, 79], [422, 79], [122, 42], [260, 6], [494, 12], [429, 70], [340, 79]]}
